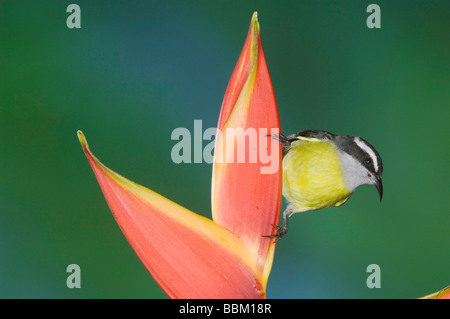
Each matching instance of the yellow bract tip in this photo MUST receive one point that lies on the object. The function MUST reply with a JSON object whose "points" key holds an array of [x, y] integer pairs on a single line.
{"points": [[255, 24], [255, 16], [82, 139]]}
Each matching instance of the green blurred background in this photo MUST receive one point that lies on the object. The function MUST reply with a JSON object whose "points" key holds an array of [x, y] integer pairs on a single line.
{"points": [[136, 70]]}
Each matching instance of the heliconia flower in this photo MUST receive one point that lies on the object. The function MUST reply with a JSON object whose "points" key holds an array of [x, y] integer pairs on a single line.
{"points": [[441, 294], [191, 256]]}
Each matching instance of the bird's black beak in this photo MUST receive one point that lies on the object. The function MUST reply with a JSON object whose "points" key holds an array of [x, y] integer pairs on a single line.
{"points": [[379, 185]]}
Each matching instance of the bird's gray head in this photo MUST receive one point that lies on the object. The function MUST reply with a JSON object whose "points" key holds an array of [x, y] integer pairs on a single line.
{"points": [[360, 162]]}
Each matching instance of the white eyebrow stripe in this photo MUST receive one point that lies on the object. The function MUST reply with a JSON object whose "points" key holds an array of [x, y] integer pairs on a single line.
{"points": [[366, 148]]}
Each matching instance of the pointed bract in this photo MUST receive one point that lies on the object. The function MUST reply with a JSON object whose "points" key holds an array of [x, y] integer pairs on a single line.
{"points": [[441, 294], [188, 255], [246, 196]]}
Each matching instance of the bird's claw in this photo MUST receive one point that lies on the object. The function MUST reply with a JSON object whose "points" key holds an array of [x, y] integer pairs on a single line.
{"points": [[282, 230]]}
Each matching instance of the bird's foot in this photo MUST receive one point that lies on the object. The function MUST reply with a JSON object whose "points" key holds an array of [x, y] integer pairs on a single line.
{"points": [[282, 230]]}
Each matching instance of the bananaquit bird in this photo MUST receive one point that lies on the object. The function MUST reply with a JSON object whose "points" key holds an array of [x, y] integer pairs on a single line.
{"points": [[321, 169]]}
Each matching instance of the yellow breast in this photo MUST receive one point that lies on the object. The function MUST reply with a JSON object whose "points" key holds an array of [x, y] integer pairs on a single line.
{"points": [[312, 176]]}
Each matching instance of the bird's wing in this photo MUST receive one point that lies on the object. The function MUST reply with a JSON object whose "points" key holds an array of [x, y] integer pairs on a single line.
{"points": [[309, 135]]}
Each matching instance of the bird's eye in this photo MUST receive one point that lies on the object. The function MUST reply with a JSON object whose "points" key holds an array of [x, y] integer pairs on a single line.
{"points": [[368, 161]]}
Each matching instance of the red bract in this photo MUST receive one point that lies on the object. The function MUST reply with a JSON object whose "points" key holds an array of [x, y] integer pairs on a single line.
{"points": [[191, 256], [246, 196], [441, 294]]}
